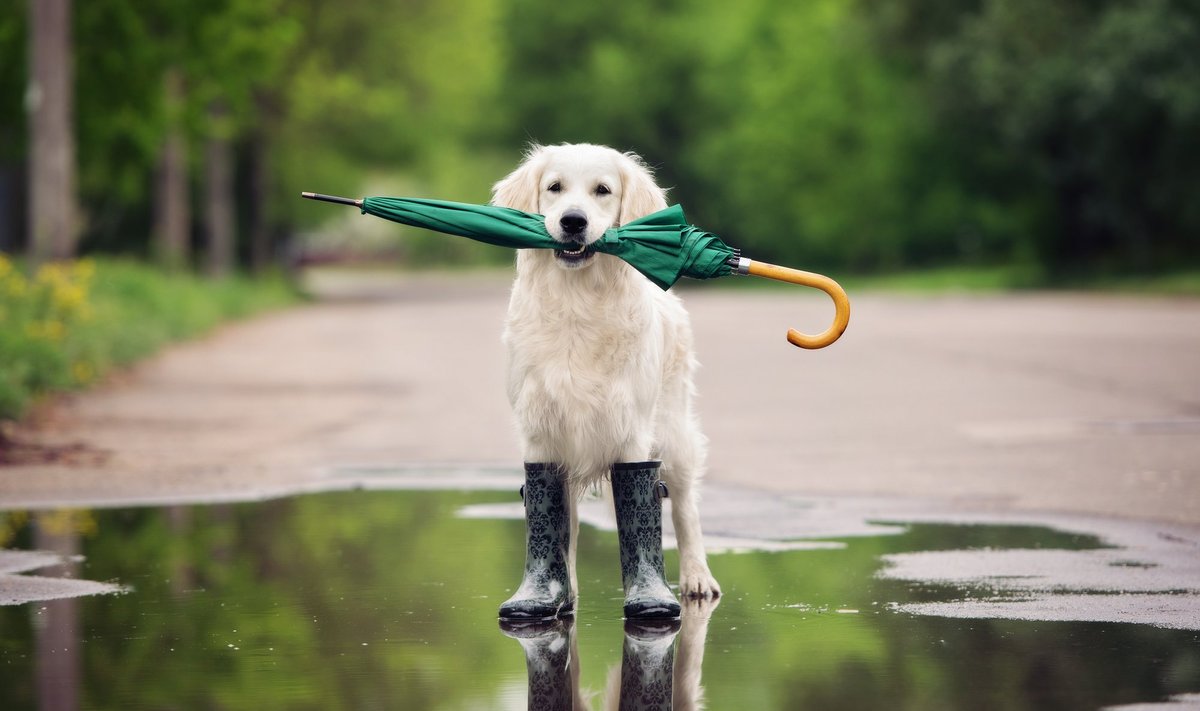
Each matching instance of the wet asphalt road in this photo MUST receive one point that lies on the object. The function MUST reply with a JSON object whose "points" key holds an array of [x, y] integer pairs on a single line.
{"points": [[1033, 402]]}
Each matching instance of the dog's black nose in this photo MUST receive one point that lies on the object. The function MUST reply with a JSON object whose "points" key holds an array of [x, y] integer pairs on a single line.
{"points": [[573, 222]]}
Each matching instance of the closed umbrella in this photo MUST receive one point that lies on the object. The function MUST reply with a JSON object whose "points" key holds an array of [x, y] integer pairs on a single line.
{"points": [[661, 245]]}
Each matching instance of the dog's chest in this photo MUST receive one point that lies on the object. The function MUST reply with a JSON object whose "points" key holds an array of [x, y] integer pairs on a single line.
{"points": [[569, 369]]}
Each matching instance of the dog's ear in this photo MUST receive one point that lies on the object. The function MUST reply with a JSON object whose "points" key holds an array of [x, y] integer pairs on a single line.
{"points": [[640, 195], [519, 189]]}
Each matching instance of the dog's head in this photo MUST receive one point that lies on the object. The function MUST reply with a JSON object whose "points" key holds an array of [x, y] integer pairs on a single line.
{"points": [[582, 190]]}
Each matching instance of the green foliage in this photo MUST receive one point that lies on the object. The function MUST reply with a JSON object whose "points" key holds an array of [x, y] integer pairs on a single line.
{"points": [[814, 165], [12, 84], [869, 136], [68, 324], [1088, 110]]}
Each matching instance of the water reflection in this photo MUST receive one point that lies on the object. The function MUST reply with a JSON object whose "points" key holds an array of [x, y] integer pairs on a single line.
{"points": [[551, 661], [56, 628], [381, 599], [652, 676]]}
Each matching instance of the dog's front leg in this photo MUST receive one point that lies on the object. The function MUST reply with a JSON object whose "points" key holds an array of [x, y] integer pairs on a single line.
{"points": [[573, 494], [695, 579]]}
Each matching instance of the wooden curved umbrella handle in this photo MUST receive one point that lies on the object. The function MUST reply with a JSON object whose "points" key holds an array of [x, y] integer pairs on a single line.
{"points": [[841, 302]]}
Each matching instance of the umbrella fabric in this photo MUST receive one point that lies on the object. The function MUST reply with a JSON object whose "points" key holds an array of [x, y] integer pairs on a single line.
{"points": [[501, 226], [662, 245]]}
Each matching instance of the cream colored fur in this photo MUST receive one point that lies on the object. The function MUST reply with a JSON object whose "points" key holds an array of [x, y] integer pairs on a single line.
{"points": [[600, 359]]}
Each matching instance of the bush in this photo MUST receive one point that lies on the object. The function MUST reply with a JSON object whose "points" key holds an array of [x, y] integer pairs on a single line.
{"points": [[68, 323]]}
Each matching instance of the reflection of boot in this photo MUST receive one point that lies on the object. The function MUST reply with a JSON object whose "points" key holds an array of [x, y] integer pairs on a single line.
{"points": [[638, 505], [547, 645], [545, 591], [646, 665]]}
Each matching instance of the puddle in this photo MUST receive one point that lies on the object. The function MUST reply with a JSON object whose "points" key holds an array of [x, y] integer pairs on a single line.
{"points": [[381, 598]]}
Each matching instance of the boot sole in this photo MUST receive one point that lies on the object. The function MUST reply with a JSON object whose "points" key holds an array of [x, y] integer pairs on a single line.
{"points": [[652, 611], [538, 616]]}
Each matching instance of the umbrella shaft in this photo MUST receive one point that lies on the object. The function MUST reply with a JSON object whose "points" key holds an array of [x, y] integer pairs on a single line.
{"points": [[332, 198]]}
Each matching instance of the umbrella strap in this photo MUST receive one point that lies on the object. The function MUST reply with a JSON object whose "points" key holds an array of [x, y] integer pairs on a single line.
{"points": [[740, 264]]}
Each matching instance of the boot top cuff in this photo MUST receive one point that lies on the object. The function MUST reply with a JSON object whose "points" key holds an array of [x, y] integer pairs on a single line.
{"points": [[636, 466], [542, 467]]}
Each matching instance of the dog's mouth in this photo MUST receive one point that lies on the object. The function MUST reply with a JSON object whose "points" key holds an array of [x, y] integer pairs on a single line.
{"points": [[574, 255]]}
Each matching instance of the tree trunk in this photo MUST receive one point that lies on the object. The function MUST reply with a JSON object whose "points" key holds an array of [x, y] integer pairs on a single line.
{"points": [[57, 636], [260, 190], [218, 194], [53, 215], [172, 214]]}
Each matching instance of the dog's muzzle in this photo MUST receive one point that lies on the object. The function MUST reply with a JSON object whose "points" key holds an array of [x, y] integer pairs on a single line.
{"points": [[575, 254], [574, 225]]}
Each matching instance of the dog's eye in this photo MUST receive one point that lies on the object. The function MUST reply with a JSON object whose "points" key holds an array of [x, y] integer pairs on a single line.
{"points": [[602, 189], [555, 187]]}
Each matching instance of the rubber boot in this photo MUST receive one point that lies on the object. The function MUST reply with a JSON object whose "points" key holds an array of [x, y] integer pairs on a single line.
{"points": [[647, 665], [545, 591], [548, 648], [637, 497]]}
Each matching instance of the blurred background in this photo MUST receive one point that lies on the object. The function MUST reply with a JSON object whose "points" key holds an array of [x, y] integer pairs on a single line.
{"points": [[993, 143], [1051, 141]]}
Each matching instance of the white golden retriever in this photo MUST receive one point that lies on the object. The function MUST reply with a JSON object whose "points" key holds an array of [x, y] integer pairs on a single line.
{"points": [[600, 359]]}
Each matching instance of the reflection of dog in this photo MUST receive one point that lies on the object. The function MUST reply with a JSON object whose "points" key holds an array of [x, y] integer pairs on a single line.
{"points": [[600, 359], [655, 671]]}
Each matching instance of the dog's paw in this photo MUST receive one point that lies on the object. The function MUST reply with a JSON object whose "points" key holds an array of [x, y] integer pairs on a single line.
{"points": [[695, 580]]}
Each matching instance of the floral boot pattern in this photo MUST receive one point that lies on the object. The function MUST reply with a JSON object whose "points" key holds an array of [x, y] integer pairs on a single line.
{"points": [[545, 591], [638, 503], [547, 646], [647, 661]]}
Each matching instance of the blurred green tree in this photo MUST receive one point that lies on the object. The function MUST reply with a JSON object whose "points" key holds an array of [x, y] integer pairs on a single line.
{"points": [[1087, 112], [868, 135]]}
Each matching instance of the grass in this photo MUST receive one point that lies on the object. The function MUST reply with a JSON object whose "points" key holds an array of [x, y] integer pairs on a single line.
{"points": [[997, 279], [67, 324], [1179, 283]]}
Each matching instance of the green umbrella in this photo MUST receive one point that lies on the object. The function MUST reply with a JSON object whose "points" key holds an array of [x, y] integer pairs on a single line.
{"points": [[662, 245]]}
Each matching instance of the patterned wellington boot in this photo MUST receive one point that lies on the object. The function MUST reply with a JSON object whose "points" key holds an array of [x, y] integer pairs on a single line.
{"points": [[548, 647], [545, 592], [637, 497], [647, 665]]}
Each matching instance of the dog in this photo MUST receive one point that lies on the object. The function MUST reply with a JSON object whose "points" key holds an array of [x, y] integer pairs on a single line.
{"points": [[600, 360]]}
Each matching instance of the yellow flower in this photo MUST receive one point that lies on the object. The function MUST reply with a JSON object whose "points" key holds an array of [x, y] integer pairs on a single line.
{"points": [[68, 297], [83, 371], [64, 521], [84, 270], [45, 330], [50, 273]]}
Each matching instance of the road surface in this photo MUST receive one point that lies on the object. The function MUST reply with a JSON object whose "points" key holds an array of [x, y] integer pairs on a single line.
{"points": [[1008, 402]]}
